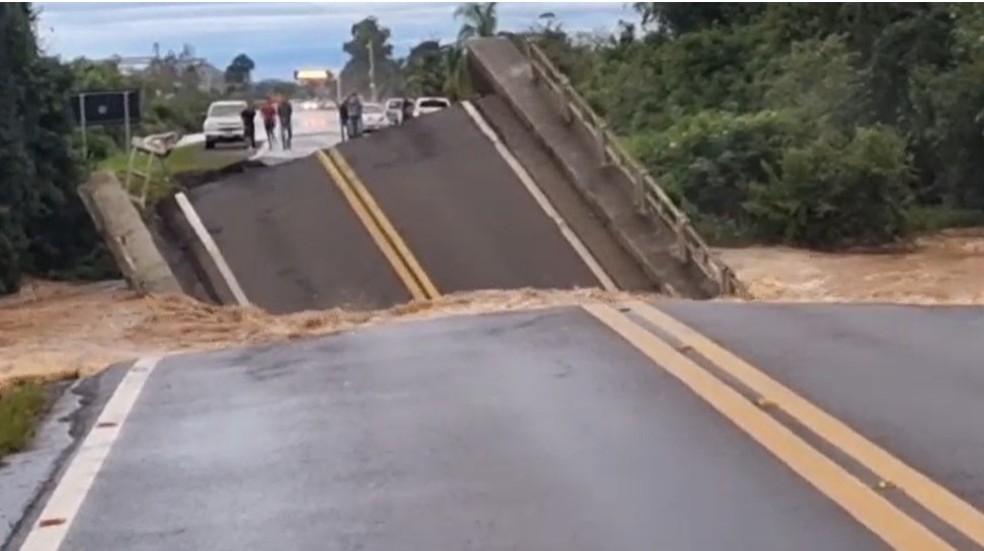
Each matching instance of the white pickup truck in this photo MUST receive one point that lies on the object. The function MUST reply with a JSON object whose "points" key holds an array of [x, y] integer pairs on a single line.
{"points": [[224, 123]]}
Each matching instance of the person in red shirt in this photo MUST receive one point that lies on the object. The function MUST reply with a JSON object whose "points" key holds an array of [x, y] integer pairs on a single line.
{"points": [[269, 113]]}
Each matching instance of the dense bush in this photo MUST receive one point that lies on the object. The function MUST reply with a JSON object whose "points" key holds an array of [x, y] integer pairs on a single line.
{"points": [[836, 191], [811, 124], [710, 160], [44, 229]]}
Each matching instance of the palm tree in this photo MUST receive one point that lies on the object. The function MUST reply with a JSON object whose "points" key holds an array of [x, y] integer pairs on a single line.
{"points": [[480, 19]]}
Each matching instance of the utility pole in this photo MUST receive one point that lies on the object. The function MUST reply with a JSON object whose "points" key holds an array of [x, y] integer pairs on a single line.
{"points": [[372, 72]]}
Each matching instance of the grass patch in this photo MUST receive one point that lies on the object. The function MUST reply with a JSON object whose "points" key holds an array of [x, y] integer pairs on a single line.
{"points": [[183, 160], [21, 407]]}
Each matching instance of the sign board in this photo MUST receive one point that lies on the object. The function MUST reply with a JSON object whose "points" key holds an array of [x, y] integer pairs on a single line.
{"points": [[312, 74], [114, 107]]}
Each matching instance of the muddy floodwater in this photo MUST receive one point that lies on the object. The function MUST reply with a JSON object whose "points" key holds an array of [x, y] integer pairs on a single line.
{"points": [[942, 269], [57, 330]]}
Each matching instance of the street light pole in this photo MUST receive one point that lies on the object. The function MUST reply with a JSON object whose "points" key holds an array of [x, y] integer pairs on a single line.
{"points": [[372, 72]]}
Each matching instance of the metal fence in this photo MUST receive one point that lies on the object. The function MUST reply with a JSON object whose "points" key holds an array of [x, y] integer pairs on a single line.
{"points": [[649, 196]]}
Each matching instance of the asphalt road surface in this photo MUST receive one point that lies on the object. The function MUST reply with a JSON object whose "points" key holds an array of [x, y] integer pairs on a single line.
{"points": [[596, 428], [292, 241], [313, 130], [461, 209], [442, 206]]}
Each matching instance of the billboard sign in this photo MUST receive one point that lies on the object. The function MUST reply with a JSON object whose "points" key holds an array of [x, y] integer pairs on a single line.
{"points": [[114, 107]]}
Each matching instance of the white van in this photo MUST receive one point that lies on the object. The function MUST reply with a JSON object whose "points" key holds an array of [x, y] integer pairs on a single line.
{"points": [[224, 123]]}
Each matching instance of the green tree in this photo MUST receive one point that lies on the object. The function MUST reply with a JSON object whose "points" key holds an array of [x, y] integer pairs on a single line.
{"points": [[676, 18], [239, 71], [44, 229], [425, 70], [478, 19], [368, 35]]}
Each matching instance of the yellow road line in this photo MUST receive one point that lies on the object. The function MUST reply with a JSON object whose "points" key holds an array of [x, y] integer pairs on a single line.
{"points": [[377, 235], [384, 224], [869, 508], [928, 493]]}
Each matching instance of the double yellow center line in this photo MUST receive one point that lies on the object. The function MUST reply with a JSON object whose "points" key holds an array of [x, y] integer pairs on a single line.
{"points": [[399, 256], [858, 499], [865, 504]]}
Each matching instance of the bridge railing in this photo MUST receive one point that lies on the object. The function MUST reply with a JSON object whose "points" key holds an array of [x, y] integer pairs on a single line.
{"points": [[649, 197]]}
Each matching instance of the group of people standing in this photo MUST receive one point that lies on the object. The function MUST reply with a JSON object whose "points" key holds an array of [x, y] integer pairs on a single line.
{"points": [[350, 113], [271, 109]]}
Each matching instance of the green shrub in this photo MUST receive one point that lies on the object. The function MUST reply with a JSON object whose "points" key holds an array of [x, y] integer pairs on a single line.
{"points": [[837, 191], [709, 161]]}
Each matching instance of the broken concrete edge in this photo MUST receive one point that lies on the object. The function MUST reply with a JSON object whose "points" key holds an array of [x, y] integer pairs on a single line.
{"points": [[127, 235], [186, 181], [488, 77], [693, 251], [133, 236], [589, 198], [612, 225], [178, 231]]}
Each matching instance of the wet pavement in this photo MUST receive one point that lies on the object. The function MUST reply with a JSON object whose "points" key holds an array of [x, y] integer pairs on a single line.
{"points": [[461, 209], [292, 241], [909, 377], [313, 130], [531, 430]]}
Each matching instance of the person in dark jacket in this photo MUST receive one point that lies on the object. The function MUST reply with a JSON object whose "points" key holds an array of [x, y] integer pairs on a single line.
{"points": [[407, 109], [249, 125], [354, 102], [286, 112], [343, 118]]}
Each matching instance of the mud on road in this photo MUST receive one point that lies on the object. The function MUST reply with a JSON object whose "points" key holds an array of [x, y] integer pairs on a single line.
{"points": [[58, 330]]}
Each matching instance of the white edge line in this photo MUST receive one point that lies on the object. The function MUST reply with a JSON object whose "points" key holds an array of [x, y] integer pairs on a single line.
{"points": [[592, 263], [70, 492], [211, 248]]}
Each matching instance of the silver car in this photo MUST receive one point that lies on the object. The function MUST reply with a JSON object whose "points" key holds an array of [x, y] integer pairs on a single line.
{"points": [[373, 117]]}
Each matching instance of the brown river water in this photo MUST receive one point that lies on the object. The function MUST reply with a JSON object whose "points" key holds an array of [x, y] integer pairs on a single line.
{"points": [[57, 330]]}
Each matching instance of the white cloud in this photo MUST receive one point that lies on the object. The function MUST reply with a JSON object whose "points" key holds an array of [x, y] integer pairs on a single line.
{"points": [[279, 35]]}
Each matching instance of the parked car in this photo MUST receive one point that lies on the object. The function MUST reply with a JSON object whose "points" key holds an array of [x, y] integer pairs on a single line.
{"points": [[373, 117], [394, 111], [424, 106], [224, 123]]}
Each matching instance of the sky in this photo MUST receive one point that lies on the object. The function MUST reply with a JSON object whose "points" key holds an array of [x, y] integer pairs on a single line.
{"points": [[279, 36]]}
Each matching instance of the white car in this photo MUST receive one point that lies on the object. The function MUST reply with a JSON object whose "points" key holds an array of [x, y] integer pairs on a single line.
{"points": [[424, 106], [224, 123], [373, 117], [394, 110]]}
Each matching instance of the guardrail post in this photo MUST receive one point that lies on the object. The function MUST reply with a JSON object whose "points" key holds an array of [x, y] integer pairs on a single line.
{"points": [[639, 187], [601, 135], [684, 253], [565, 100]]}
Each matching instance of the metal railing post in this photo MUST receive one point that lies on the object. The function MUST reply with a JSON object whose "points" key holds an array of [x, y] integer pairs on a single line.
{"points": [[602, 142], [639, 187], [542, 69], [565, 104]]}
